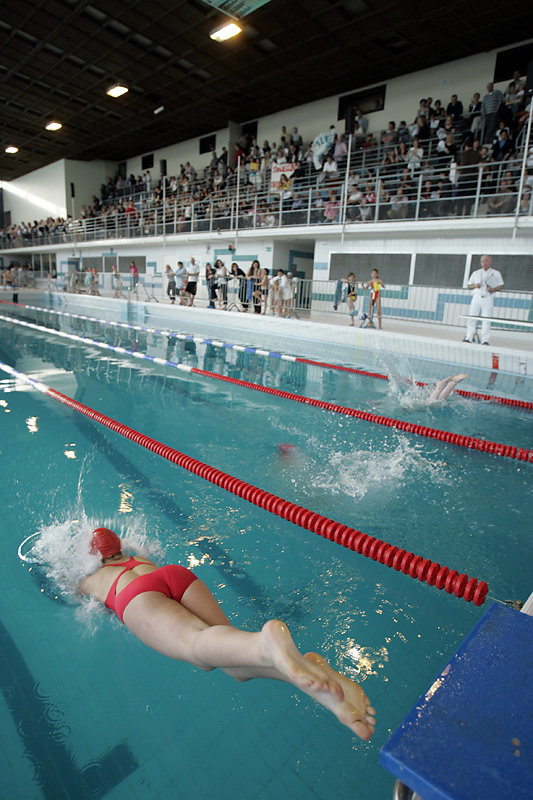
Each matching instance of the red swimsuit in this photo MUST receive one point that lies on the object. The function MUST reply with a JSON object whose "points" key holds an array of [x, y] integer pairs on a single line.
{"points": [[172, 581]]}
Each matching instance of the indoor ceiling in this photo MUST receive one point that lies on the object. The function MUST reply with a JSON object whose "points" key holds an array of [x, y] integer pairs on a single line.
{"points": [[59, 57]]}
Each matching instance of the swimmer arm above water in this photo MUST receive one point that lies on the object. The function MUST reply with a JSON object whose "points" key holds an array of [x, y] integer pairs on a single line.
{"points": [[173, 612]]}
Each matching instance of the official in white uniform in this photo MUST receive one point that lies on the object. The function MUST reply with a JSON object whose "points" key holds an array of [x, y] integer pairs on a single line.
{"points": [[482, 283]]}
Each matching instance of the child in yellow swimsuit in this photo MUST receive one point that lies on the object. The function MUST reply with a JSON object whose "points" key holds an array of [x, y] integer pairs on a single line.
{"points": [[375, 284]]}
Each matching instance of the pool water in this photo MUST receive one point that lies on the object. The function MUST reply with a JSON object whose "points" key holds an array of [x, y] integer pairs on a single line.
{"points": [[88, 710]]}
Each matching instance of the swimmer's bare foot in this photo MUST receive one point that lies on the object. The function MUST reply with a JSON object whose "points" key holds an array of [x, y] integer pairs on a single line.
{"points": [[280, 652], [454, 378], [354, 710]]}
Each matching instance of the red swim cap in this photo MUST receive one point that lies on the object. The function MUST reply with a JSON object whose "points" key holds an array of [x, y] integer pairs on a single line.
{"points": [[286, 449], [105, 542]]}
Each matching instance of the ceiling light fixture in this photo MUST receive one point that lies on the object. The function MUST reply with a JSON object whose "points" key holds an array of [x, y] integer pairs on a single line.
{"points": [[11, 149], [225, 32], [159, 109], [117, 90], [53, 126]]}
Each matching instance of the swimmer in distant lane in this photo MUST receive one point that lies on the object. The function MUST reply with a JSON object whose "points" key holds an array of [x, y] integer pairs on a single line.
{"points": [[446, 386], [172, 611]]}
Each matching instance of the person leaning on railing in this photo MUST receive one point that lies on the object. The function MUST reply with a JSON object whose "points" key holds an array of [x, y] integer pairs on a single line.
{"points": [[236, 273], [399, 206], [502, 146], [503, 201]]}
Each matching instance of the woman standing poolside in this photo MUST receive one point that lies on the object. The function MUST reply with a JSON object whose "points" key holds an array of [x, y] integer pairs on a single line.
{"points": [[265, 287], [256, 286], [238, 273], [173, 612], [221, 275]]}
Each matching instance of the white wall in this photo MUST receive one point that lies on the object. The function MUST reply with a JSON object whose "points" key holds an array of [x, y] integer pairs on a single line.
{"points": [[298, 255], [45, 192], [38, 195], [87, 177], [448, 238], [462, 77], [177, 154], [310, 119]]}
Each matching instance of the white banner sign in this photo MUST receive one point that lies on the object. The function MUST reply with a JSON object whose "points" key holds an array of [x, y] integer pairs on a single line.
{"points": [[281, 176], [321, 144]]}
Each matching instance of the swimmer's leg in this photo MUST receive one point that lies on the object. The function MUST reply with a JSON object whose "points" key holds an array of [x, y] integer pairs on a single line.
{"points": [[439, 387], [444, 388], [172, 630], [379, 310], [199, 601]]}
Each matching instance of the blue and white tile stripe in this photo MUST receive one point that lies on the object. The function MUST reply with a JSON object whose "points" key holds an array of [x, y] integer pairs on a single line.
{"points": [[95, 343], [171, 334], [26, 378]]}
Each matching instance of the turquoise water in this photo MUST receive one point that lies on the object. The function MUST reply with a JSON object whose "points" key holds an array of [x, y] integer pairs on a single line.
{"points": [[90, 712]]}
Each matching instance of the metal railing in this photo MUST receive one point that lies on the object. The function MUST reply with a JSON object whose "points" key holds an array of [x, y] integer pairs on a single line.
{"points": [[300, 298], [365, 189], [432, 304]]}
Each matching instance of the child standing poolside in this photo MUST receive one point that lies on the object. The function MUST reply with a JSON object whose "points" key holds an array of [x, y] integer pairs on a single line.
{"points": [[375, 285], [351, 296]]}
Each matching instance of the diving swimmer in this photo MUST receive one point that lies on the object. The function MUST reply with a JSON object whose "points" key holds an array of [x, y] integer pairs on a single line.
{"points": [[170, 610]]}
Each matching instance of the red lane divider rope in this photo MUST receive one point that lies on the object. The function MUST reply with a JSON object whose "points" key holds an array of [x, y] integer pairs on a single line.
{"points": [[524, 404], [391, 556], [463, 392], [423, 569], [470, 442]]}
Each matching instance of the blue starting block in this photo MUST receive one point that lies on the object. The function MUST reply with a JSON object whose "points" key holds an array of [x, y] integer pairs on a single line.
{"points": [[470, 736]]}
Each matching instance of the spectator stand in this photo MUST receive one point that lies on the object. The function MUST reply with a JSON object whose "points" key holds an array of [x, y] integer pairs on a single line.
{"points": [[409, 172]]}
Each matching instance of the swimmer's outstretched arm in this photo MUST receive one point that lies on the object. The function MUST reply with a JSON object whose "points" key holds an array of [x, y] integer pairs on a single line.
{"points": [[197, 631]]}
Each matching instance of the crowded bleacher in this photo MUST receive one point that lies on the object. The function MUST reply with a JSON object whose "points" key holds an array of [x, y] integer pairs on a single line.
{"points": [[455, 159]]}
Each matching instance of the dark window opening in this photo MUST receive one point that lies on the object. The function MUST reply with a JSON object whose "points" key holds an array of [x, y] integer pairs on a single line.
{"points": [[208, 143], [516, 58], [147, 162], [367, 102], [250, 129]]}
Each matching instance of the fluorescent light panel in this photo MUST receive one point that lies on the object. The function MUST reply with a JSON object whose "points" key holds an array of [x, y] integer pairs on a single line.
{"points": [[53, 126], [117, 90], [225, 32], [12, 149]]}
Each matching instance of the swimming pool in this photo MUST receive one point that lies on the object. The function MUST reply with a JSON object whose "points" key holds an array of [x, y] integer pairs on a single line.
{"points": [[88, 711]]}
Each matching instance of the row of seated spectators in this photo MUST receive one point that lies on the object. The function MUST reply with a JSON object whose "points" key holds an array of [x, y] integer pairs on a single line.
{"points": [[442, 151]]}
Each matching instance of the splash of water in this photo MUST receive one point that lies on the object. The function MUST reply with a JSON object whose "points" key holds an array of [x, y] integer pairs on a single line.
{"points": [[60, 550], [404, 391], [402, 388], [413, 397], [399, 370], [376, 471]]}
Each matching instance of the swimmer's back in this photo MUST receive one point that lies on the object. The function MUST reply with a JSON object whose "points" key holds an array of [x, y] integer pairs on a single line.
{"points": [[100, 582]]}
